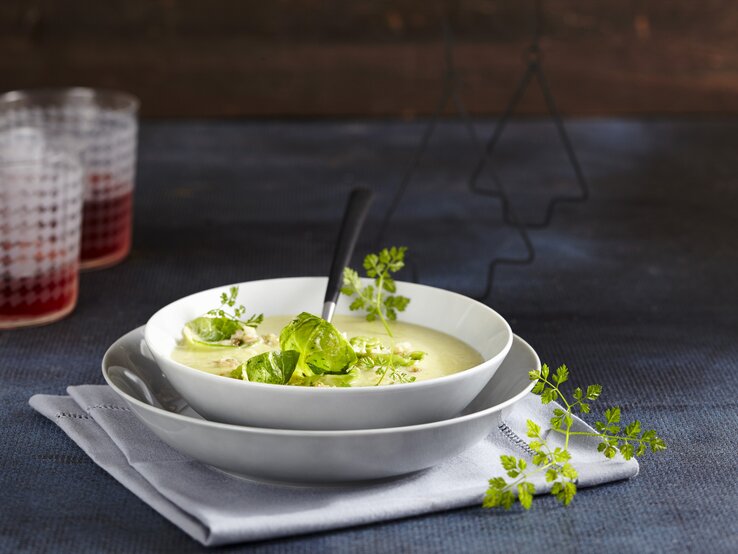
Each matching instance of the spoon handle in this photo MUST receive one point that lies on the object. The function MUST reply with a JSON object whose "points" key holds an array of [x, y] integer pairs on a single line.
{"points": [[353, 220]]}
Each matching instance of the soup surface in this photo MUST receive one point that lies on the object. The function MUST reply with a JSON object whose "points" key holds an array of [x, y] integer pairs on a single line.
{"points": [[443, 354]]}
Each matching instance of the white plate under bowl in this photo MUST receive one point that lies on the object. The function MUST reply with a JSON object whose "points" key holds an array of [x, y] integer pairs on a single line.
{"points": [[288, 407], [299, 456]]}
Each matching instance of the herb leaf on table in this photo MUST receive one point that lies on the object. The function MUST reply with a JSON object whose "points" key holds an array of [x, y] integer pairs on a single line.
{"points": [[629, 440]]}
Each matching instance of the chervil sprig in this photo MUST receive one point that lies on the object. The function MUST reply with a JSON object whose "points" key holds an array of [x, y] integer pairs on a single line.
{"points": [[375, 301], [373, 298], [629, 440], [391, 365], [228, 300]]}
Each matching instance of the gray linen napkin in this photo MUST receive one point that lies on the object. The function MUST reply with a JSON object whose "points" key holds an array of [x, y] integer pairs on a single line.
{"points": [[215, 508]]}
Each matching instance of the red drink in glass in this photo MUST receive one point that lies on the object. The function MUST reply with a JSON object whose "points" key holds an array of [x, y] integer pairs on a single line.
{"points": [[99, 126], [39, 298], [106, 223], [40, 222]]}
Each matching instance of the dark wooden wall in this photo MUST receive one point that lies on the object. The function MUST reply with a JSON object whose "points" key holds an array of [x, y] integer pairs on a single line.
{"points": [[375, 57]]}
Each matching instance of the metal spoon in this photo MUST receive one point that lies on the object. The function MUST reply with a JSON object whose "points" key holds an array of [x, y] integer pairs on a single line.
{"points": [[353, 220]]}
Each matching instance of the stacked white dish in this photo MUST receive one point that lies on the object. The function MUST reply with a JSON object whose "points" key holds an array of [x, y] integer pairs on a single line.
{"points": [[260, 430]]}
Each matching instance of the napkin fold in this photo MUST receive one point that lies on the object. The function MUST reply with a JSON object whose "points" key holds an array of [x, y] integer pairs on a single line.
{"points": [[215, 508]]}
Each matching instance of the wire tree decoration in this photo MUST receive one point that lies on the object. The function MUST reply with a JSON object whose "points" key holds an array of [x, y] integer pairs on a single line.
{"points": [[450, 93]]}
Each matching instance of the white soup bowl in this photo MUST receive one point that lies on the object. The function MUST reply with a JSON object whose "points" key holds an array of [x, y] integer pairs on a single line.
{"points": [[239, 402]]}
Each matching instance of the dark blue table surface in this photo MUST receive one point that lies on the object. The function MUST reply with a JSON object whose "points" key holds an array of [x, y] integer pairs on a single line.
{"points": [[635, 289]]}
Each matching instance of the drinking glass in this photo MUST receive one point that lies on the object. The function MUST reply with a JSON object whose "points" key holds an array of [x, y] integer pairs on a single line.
{"points": [[101, 126], [41, 190]]}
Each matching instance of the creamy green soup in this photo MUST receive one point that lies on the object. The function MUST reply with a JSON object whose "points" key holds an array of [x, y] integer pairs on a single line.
{"points": [[442, 353]]}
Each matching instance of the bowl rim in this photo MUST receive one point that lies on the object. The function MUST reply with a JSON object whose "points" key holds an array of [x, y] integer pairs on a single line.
{"points": [[313, 432], [438, 381]]}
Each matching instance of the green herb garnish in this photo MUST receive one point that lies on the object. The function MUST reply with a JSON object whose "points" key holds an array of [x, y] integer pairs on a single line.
{"points": [[372, 354], [372, 298], [375, 301], [629, 440], [224, 327], [229, 301]]}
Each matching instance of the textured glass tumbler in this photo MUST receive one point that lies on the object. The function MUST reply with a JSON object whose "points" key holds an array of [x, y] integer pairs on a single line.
{"points": [[101, 126], [40, 222]]}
